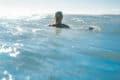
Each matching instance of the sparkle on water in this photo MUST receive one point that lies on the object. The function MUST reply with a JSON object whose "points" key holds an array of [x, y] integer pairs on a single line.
{"points": [[30, 50]]}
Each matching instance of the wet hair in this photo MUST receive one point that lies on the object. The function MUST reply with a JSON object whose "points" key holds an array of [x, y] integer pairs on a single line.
{"points": [[58, 17], [59, 14]]}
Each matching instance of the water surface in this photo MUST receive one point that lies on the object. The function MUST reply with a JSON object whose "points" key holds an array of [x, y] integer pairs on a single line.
{"points": [[30, 50]]}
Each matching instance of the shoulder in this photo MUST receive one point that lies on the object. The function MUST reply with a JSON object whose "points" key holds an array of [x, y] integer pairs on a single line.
{"points": [[64, 26], [52, 25], [60, 26]]}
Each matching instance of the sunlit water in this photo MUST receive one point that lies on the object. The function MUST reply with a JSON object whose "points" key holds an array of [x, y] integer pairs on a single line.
{"points": [[30, 50]]}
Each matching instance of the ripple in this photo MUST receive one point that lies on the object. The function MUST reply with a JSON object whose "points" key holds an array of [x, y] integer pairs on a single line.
{"points": [[30, 50]]}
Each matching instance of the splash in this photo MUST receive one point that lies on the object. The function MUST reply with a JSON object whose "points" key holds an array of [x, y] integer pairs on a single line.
{"points": [[96, 28]]}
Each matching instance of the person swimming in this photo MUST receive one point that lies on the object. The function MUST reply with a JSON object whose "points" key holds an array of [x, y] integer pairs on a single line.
{"points": [[58, 21]]}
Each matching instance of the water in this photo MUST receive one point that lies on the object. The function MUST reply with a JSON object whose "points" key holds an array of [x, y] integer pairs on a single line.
{"points": [[30, 50]]}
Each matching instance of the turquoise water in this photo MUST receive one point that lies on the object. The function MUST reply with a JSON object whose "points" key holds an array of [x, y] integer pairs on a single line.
{"points": [[30, 50]]}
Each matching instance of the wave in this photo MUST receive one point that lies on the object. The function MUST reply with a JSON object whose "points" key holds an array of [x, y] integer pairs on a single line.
{"points": [[78, 20]]}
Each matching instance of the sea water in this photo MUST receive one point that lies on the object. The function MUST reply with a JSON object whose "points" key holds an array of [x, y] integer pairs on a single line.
{"points": [[30, 50]]}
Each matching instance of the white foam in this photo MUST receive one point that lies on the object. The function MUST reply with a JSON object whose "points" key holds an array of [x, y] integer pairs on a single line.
{"points": [[11, 50], [19, 29], [78, 20], [36, 30], [6, 73], [3, 78]]}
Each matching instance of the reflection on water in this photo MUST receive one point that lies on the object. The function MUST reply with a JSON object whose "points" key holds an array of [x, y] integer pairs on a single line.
{"points": [[30, 50], [57, 31]]}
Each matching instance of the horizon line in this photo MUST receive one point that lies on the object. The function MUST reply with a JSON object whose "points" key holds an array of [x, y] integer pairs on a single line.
{"points": [[41, 14]]}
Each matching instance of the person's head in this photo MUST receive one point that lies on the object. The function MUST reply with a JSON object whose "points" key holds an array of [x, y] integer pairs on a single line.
{"points": [[58, 17]]}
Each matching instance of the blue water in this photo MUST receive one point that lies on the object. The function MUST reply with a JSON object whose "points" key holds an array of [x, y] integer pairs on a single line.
{"points": [[30, 50]]}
